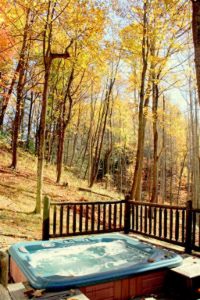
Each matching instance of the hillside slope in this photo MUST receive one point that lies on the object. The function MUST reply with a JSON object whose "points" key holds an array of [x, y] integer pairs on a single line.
{"points": [[17, 195]]}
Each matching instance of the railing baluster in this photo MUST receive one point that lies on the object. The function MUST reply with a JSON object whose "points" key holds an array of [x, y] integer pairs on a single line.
{"points": [[93, 218], [54, 220], [99, 217], [141, 218], [74, 219], [177, 225], [89, 217], [86, 218], [130, 215], [68, 220], [133, 216], [160, 222], [61, 220], [183, 226], [115, 216], [155, 221], [171, 225], [104, 217], [110, 216], [150, 218], [145, 219], [80, 217], [165, 223], [120, 215], [136, 215]]}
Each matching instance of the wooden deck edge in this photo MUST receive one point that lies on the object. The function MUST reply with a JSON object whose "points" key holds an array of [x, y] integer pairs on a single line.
{"points": [[4, 295], [16, 291]]}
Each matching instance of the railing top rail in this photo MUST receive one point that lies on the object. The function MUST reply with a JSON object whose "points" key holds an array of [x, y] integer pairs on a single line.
{"points": [[85, 202], [196, 210], [157, 205]]}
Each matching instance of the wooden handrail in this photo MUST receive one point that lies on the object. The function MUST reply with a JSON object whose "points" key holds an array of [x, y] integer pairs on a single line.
{"points": [[87, 203], [196, 210], [157, 205]]}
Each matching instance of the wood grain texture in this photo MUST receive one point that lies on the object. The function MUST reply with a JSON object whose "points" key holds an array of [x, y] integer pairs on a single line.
{"points": [[124, 289], [4, 295]]}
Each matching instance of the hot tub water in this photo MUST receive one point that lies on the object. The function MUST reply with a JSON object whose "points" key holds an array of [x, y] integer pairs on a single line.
{"points": [[85, 259]]}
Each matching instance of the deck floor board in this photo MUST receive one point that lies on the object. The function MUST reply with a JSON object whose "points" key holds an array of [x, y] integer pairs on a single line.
{"points": [[4, 295], [189, 268], [16, 292]]}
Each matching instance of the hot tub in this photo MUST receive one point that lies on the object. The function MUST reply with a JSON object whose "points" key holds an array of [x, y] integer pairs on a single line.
{"points": [[89, 261]]}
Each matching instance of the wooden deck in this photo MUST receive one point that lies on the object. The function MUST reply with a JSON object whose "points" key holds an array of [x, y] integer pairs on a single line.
{"points": [[4, 295], [188, 274], [18, 291], [190, 267]]}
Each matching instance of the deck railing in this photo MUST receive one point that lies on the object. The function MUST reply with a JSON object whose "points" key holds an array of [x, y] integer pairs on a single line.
{"points": [[77, 218], [163, 222], [178, 225]]}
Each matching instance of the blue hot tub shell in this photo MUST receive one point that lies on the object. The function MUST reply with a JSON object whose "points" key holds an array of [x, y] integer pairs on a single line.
{"points": [[155, 258]]}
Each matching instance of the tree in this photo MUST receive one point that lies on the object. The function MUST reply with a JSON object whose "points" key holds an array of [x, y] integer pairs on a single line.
{"points": [[20, 71], [48, 57], [143, 104]]}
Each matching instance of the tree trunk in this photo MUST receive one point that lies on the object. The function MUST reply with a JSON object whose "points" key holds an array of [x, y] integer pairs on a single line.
{"points": [[21, 122], [20, 87], [42, 140], [29, 121], [155, 144], [196, 148], [164, 158], [7, 97], [135, 192], [171, 164], [180, 178], [64, 122], [60, 153], [37, 131], [196, 40], [16, 123], [90, 141], [76, 135]]}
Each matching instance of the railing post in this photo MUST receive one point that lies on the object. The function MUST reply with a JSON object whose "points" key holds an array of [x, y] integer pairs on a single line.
{"points": [[127, 215], [45, 224], [188, 235]]}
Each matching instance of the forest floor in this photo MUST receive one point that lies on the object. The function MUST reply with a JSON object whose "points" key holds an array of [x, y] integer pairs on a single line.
{"points": [[18, 190]]}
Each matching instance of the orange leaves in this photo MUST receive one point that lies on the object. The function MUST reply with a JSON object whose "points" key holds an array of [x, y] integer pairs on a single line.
{"points": [[6, 49], [6, 39]]}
